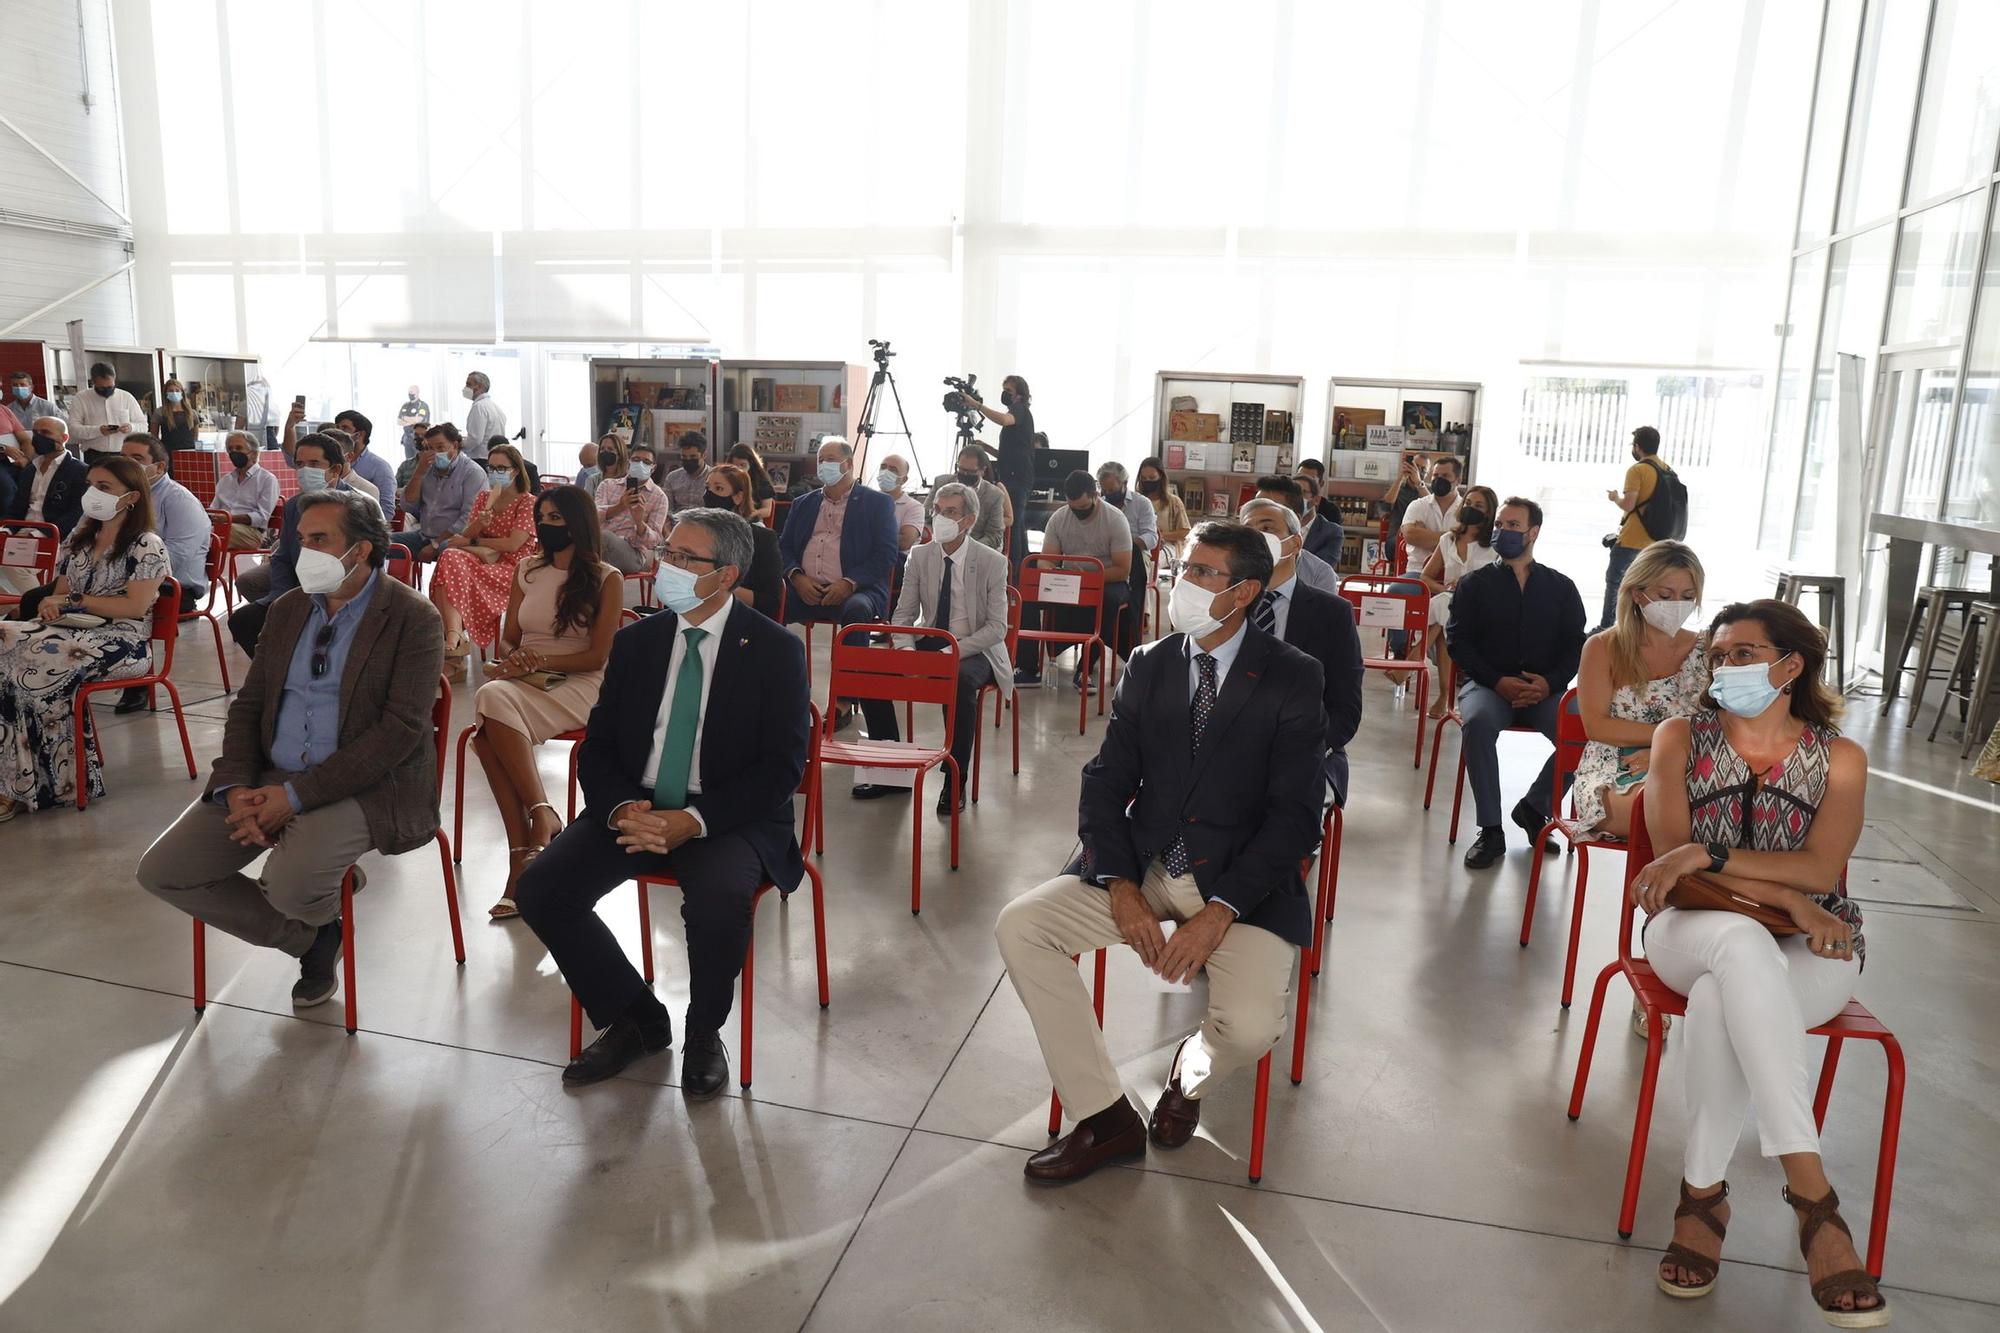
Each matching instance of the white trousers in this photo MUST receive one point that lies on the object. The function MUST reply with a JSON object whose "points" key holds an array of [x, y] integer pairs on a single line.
{"points": [[1249, 977], [1750, 999]]}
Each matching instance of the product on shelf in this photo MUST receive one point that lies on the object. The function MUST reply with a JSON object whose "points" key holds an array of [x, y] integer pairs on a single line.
{"points": [[796, 397], [1194, 425], [1246, 423]]}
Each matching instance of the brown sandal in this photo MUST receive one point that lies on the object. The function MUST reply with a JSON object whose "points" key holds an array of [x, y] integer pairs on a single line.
{"points": [[1814, 1214], [1704, 1267]]}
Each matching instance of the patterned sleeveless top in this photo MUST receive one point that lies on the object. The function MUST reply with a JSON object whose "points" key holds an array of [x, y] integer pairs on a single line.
{"points": [[1766, 812]]}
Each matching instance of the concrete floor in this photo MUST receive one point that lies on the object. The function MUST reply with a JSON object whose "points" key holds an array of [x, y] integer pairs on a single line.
{"points": [[432, 1173]]}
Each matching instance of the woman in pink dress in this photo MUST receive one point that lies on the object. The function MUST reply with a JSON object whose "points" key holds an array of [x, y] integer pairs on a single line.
{"points": [[475, 571]]}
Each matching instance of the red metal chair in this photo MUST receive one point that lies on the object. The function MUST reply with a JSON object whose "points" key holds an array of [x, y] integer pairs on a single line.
{"points": [[1259, 1112], [32, 547], [1331, 829], [166, 630], [1660, 1001], [440, 724], [862, 670], [1089, 573], [1457, 719], [784, 618], [218, 563], [979, 700], [405, 567], [1378, 598], [1570, 740], [809, 788]]}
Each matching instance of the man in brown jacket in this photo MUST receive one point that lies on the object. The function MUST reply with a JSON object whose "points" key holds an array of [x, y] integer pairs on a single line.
{"points": [[327, 752]]}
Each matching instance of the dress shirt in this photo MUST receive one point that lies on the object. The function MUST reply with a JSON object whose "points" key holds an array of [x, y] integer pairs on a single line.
{"points": [[1439, 516], [909, 514], [821, 559], [33, 410], [183, 524], [685, 490], [644, 526], [444, 501], [483, 420], [1499, 628], [45, 470], [711, 643], [307, 731], [89, 413], [254, 492], [1281, 606], [1143, 519], [374, 469]]}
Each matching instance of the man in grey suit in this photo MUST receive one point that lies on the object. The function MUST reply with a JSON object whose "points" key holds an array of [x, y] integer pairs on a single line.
{"points": [[959, 585]]}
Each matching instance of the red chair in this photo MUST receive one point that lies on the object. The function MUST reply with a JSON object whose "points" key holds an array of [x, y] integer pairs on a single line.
{"points": [[1570, 740], [809, 788], [440, 723], [1660, 1001], [979, 700], [1377, 599], [218, 564], [1261, 1107], [31, 546], [405, 567], [1328, 878], [785, 619], [1089, 573], [166, 629], [862, 670], [1457, 719]]}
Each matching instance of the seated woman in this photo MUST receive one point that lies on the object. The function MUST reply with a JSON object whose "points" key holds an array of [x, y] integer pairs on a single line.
{"points": [[1172, 514], [111, 568], [1764, 794], [563, 610], [763, 495], [1468, 546], [762, 587], [631, 508], [475, 570], [1649, 666]]}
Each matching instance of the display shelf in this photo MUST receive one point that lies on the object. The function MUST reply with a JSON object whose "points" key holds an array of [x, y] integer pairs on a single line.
{"points": [[1422, 417], [1242, 426], [657, 399], [219, 383], [784, 408]]}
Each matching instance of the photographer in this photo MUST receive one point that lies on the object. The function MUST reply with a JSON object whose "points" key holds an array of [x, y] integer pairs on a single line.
{"points": [[1015, 455]]}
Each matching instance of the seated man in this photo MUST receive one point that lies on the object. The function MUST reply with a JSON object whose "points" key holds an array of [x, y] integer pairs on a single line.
{"points": [[321, 467], [693, 751], [992, 529], [1516, 633], [440, 493], [247, 493], [1318, 624], [49, 490], [327, 752], [1313, 571], [1197, 809], [1082, 527], [1115, 485], [183, 524], [369, 466], [686, 487], [952, 583], [838, 546], [1325, 537]]}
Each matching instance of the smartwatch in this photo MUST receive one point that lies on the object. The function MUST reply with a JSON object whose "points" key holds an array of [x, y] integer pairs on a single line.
{"points": [[1718, 856]]}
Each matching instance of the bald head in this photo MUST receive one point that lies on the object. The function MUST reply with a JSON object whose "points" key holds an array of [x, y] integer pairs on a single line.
{"points": [[55, 426]]}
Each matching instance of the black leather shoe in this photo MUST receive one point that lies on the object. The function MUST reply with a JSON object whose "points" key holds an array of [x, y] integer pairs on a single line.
{"points": [[1090, 1145], [1488, 847], [704, 1066], [132, 700], [944, 799], [616, 1048], [1175, 1115], [874, 791], [317, 968], [1531, 822]]}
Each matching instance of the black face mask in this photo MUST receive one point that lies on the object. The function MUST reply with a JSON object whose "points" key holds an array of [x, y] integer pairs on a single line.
{"points": [[606, 459], [1116, 499], [1149, 485], [715, 501], [552, 538], [968, 479], [1440, 487], [692, 465], [1473, 519], [46, 445], [238, 458], [104, 391]]}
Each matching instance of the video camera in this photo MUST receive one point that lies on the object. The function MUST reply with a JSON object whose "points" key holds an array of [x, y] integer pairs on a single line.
{"points": [[962, 390], [881, 352]]}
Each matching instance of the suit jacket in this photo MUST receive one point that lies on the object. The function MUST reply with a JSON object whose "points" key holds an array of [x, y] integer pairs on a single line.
{"points": [[1317, 573], [1324, 538], [386, 758], [984, 592], [1322, 627], [755, 735], [868, 546], [63, 505], [1248, 804]]}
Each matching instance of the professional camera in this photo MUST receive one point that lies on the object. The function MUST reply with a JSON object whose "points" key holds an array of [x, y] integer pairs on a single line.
{"points": [[881, 352], [962, 390]]}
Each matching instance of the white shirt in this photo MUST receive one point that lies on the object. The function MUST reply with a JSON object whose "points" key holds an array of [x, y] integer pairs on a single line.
{"points": [[89, 413], [1427, 510], [1224, 655], [483, 420], [255, 493], [39, 490], [711, 641]]}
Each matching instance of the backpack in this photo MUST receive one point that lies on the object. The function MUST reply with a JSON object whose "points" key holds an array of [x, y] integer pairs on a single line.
{"points": [[1664, 516]]}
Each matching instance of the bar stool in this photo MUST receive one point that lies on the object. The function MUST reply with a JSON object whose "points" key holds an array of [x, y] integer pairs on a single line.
{"points": [[1971, 678], [1832, 590], [1928, 616]]}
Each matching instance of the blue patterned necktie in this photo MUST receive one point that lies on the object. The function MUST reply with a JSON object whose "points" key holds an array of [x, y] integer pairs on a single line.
{"points": [[1176, 857], [1264, 615]]}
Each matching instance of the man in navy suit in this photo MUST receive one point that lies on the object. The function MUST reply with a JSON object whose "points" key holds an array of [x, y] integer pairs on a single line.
{"points": [[1198, 809], [1323, 536], [689, 763], [838, 547]]}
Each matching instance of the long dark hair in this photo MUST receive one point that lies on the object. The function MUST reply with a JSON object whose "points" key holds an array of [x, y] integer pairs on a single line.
{"points": [[737, 480], [746, 457], [576, 600], [138, 519], [1490, 508], [1812, 700]]}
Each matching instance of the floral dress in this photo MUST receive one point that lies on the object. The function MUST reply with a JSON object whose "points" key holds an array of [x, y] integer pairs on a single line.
{"points": [[1602, 767], [42, 665], [479, 591]]}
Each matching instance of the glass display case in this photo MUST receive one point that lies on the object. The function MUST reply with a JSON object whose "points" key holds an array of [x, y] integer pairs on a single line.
{"points": [[783, 409], [1372, 427], [1217, 432]]}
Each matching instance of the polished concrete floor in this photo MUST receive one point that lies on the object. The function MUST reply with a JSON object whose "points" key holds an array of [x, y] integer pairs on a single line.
{"points": [[257, 1169]]}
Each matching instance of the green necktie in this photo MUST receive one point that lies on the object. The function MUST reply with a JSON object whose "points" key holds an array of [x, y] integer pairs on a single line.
{"points": [[670, 784]]}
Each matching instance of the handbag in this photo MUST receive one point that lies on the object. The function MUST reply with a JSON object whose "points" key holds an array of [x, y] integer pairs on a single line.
{"points": [[1699, 893], [543, 680]]}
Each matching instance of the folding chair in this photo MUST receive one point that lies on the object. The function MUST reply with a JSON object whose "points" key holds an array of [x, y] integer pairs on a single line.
{"points": [[1389, 603], [1331, 829], [166, 630], [32, 547], [1660, 1001], [1074, 582], [440, 724], [1570, 741], [218, 563], [979, 699]]}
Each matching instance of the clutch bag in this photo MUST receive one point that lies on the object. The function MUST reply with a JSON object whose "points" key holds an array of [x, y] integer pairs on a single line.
{"points": [[544, 680], [1699, 893]]}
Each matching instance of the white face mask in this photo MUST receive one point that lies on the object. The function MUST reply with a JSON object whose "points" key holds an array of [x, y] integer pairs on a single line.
{"points": [[1189, 609], [1668, 617], [468, 392], [1277, 545], [320, 572], [945, 530], [100, 505]]}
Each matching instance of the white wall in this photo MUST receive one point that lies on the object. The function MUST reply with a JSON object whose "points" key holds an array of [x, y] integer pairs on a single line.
{"points": [[59, 234]]}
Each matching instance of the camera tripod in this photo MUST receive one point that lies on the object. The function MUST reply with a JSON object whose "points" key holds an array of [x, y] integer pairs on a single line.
{"points": [[864, 431]]}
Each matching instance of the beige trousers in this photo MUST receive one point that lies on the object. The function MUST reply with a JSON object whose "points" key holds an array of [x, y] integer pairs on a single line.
{"points": [[243, 537], [1249, 979]]}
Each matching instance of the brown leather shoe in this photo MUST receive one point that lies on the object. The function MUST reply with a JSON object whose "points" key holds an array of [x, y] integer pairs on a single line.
{"points": [[1085, 1148], [1175, 1115]]}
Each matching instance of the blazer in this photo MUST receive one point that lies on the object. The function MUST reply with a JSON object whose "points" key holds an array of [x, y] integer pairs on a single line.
{"points": [[868, 547], [1248, 804], [1324, 538], [764, 579], [755, 734], [63, 504], [1322, 627], [386, 759], [984, 593]]}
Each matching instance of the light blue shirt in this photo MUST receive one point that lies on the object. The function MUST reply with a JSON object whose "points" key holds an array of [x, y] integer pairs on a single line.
{"points": [[1225, 658], [1142, 519], [183, 525], [375, 470], [444, 502], [588, 479], [308, 727]]}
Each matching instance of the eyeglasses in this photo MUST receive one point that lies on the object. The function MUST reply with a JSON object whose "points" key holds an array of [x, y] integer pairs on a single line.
{"points": [[321, 643], [682, 559], [1743, 654], [1200, 572]]}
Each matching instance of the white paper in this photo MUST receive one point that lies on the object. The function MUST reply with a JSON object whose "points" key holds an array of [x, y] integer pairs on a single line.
{"points": [[1063, 589], [20, 552], [1267, 459], [1381, 613], [906, 778], [1385, 437]]}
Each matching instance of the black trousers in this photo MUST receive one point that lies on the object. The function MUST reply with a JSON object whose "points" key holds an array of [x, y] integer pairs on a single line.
{"points": [[246, 622], [973, 672], [719, 877]]}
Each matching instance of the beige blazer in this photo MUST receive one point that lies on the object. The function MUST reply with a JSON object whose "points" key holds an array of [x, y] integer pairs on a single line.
{"points": [[983, 597]]}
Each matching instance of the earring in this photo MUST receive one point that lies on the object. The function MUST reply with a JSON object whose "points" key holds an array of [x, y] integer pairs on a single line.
{"points": [[1786, 688]]}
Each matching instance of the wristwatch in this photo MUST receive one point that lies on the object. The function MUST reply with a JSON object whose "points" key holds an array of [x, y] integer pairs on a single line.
{"points": [[72, 602], [1718, 856]]}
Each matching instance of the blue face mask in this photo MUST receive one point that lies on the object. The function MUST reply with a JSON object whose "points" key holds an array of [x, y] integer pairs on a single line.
{"points": [[1509, 543], [831, 472], [312, 479], [173, 395], [441, 462], [498, 477], [641, 472], [887, 481], [1745, 690], [675, 587]]}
